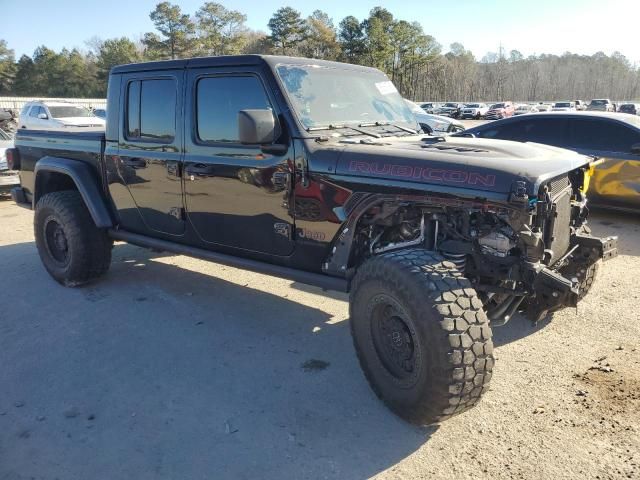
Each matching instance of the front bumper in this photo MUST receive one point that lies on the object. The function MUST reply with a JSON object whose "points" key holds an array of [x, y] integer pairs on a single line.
{"points": [[559, 286]]}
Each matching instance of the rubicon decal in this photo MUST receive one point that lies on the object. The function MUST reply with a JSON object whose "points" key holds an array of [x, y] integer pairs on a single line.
{"points": [[424, 173]]}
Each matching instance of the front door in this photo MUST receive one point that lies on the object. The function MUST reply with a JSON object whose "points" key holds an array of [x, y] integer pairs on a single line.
{"points": [[150, 149], [236, 195], [615, 182]]}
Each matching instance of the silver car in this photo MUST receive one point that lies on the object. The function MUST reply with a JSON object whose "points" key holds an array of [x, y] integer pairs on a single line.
{"points": [[8, 178]]}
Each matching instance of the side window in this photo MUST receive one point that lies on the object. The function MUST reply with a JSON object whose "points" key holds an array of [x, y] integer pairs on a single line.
{"points": [[602, 135], [151, 110], [35, 111], [550, 131], [218, 101], [508, 131], [133, 110]]}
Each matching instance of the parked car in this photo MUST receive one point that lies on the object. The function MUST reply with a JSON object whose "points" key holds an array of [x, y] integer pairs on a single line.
{"points": [[580, 105], [430, 107], [500, 110], [100, 113], [412, 227], [435, 124], [563, 107], [523, 109], [9, 178], [632, 108], [8, 120], [450, 109], [612, 137], [41, 115], [601, 105], [474, 110]]}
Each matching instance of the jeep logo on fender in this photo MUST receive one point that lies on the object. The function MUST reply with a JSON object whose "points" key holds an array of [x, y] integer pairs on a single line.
{"points": [[425, 173]]}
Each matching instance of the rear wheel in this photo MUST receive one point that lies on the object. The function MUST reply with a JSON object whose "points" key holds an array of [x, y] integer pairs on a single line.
{"points": [[71, 247], [421, 335]]}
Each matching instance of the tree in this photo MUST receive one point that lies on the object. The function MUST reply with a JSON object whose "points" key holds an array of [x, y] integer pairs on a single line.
{"points": [[176, 28], [378, 47], [257, 42], [112, 52], [221, 31], [288, 30], [351, 38], [23, 82], [7, 68], [321, 39]]}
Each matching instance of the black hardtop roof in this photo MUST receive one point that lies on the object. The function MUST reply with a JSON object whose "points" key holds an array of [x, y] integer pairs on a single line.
{"points": [[230, 60]]}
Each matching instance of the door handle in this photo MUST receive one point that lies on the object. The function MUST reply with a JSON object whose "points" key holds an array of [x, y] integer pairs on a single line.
{"points": [[200, 169], [134, 162]]}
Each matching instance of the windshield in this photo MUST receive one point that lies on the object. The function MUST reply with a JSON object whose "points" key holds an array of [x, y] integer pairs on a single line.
{"points": [[472, 105], [67, 112], [562, 105], [497, 105], [451, 105], [599, 102], [331, 96]]}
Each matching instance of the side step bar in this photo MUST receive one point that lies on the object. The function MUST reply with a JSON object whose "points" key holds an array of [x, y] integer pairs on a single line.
{"points": [[325, 282]]}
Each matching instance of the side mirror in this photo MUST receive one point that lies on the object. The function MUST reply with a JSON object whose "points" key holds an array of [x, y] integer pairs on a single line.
{"points": [[257, 127], [635, 148], [43, 116]]}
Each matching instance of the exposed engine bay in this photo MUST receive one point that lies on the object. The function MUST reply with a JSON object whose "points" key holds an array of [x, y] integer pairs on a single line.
{"points": [[528, 254]]}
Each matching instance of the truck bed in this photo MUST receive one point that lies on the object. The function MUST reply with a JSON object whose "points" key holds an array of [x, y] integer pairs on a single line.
{"points": [[86, 146]]}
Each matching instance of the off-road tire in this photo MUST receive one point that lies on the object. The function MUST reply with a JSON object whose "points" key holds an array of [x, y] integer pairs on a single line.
{"points": [[88, 249], [445, 324]]}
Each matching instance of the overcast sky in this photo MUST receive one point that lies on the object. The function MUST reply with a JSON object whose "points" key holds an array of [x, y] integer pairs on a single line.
{"points": [[533, 27]]}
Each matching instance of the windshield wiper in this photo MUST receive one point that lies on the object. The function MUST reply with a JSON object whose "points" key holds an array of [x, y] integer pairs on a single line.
{"points": [[337, 127], [382, 124]]}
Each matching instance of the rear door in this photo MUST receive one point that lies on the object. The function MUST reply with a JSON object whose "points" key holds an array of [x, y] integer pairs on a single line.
{"points": [[150, 148], [236, 195]]}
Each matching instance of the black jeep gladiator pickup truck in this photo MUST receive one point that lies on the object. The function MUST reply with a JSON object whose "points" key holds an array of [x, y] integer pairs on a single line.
{"points": [[316, 171]]}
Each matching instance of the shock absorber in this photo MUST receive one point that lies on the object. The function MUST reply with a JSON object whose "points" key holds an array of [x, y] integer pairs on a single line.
{"points": [[459, 259]]}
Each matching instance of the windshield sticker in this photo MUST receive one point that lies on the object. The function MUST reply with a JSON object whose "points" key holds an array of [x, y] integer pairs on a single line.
{"points": [[386, 88]]}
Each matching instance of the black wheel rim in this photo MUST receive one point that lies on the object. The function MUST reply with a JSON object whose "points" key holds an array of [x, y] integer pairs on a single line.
{"points": [[394, 340], [56, 242]]}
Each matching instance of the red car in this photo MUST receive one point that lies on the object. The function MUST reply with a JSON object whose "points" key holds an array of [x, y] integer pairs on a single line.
{"points": [[500, 110]]}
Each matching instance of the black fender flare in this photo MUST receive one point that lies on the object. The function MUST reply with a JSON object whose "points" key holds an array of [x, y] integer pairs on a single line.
{"points": [[84, 177]]}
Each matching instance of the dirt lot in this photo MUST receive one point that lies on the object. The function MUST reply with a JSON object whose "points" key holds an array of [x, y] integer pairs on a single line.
{"points": [[175, 368]]}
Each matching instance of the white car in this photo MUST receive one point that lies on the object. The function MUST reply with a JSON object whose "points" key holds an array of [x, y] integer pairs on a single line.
{"points": [[474, 110], [564, 107], [57, 116], [435, 124], [8, 178], [524, 108]]}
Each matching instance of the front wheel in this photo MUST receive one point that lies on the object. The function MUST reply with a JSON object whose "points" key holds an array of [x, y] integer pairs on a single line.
{"points": [[71, 247], [421, 335]]}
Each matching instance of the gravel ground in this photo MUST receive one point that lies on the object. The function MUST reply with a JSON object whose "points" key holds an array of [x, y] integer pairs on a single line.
{"points": [[172, 367]]}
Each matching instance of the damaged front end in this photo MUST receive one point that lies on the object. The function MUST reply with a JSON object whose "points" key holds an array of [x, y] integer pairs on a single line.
{"points": [[532, 253], [557, 252]]}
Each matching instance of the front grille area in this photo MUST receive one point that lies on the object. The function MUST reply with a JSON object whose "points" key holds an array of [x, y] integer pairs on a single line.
{"points": [[558, 185], [559, 234]]}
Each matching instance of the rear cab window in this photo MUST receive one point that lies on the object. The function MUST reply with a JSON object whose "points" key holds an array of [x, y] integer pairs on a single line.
{"points": [[151, 110]]}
